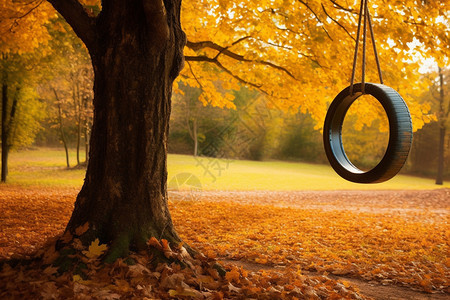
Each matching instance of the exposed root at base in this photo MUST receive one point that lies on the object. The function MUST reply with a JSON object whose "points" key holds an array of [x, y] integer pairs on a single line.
{"points": [[171, 274]]}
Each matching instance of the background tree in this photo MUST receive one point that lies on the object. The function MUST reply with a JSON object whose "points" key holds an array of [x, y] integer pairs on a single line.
{"points": [[299, 141], [21, 109], [430, 152], [188, 113], [67, 86], [16, 24], [443, 113], [60, 100]]}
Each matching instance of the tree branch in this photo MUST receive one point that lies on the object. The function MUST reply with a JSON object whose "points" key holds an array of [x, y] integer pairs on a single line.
{"points": [[337, 5], [217, 63], [222, 50], [352, 11], [29, 11], [82, 24], [193, 74], [19, 17], [335, 21], [199, 58], [257, 86], [316, 16]]}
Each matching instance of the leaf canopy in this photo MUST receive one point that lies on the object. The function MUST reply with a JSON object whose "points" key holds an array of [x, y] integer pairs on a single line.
{"points": [[297, 53]]}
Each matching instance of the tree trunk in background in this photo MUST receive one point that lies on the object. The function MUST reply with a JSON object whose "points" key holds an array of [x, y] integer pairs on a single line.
{"points": [[78, 138], [440, 171], [137, 54], [86, 129], [442, 120], [86, 141], [195, 137], [7, 126], [61, 129], [78, 111], [5, 149]]}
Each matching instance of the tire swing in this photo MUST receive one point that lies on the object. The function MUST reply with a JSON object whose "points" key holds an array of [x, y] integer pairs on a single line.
{"points": [[400, 125]]}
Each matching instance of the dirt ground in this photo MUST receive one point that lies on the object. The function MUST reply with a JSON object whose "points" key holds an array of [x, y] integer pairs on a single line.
{"points": [[435, 201], [373, 290]]}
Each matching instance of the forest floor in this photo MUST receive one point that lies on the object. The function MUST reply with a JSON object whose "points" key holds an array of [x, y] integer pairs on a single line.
{"points": [[345, 244]]}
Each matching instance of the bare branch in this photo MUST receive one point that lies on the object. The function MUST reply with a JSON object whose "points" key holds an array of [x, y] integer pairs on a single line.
{"points": [[29, 11], [258, 86], [316, 16], [240, 40], [232, 44], [193, 74], [199, 58], [290, 48], [222, 50], [352, 11], [217, 63], [82, 24], [335, 21], [17, 18], [337, 5]]}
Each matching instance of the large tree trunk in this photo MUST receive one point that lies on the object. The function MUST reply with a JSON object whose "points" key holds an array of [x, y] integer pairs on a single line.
{"points": [[136, 59]]}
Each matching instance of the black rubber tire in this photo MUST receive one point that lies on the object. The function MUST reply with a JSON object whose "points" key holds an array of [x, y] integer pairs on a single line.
{"points": [[400, 134]]}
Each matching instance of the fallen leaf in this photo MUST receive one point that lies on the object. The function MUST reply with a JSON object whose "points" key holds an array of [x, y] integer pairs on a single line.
{"points": [[95, 249]]}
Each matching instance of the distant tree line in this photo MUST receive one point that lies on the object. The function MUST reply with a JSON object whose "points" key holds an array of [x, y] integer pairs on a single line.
{"points": [[257, 130]]}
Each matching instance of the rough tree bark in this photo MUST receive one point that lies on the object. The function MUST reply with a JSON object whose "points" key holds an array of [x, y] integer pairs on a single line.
{"points": [[136, 48]]}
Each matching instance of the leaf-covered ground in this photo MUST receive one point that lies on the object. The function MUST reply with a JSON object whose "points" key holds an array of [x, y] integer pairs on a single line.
{"points": [[297, 241]]}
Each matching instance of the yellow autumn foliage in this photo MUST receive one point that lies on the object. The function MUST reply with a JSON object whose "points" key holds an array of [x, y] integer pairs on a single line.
{"points": [[22, 25], [300, 53], [297, 53]]}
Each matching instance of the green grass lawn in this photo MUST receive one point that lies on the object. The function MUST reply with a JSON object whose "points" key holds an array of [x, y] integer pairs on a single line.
{"points": [[46, 167]]}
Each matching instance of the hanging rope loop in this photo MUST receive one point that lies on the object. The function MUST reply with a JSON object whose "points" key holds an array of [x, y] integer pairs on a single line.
{"points": [[364, 16]]}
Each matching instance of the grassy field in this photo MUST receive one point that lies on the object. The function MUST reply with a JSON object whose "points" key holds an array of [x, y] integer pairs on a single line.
{"points": [[46, 167]]}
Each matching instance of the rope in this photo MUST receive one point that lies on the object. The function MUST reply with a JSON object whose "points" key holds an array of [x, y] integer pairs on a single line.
{"points": [[363, 73], [355, 57], [364, 10], [374, 47]]}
